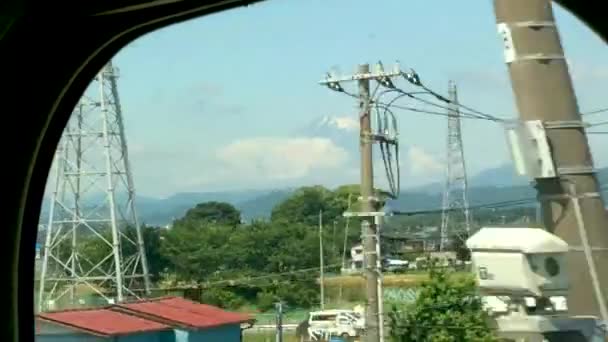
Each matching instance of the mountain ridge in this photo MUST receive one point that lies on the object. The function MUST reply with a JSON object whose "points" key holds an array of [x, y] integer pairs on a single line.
{"points": [[258, 204]]}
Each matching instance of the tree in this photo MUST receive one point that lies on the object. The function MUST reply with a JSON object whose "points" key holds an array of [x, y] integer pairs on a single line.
{"points": [[195, 251], [157, 261], [304, 205], [459, 245], [217, 213], [446, 310]]}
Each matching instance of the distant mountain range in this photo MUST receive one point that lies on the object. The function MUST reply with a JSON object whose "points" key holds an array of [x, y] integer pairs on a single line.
{"points": [[502, 176], [490, 186]]}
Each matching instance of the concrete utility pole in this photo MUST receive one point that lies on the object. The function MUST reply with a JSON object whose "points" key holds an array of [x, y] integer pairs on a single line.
{"points": [[379, 221], [279, 334], [543, 91], [321, 261], [368, 201]]}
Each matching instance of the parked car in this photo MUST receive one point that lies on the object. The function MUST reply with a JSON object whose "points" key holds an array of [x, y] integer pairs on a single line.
{"points": [[326, 323]]}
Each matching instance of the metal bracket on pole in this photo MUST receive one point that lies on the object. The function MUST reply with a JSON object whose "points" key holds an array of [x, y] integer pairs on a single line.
{"points": [[364, 214], [365, 76], [369, 198], [539, 57], [575, 170], [568, 196], [384, 138], [593, 249], [533, 24], [565, 124]]}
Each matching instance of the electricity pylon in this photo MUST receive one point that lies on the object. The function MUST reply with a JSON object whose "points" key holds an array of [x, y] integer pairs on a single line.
{"points": [[92, 207], [455, 201]]}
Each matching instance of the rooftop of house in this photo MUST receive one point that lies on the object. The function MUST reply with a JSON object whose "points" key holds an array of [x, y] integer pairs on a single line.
{"points": [[101, 322], [182, 312], [142, 316]]}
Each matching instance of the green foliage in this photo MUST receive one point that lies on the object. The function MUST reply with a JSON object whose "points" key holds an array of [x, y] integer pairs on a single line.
{"points": [[215, 213], [462, 252], [446, 310], [221, 297], [202, 253], [265, 301], [254, 264], [305, 204], [195, 250]]}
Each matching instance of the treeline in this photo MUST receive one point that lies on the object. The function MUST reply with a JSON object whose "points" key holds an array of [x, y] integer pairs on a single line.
{"points": [[235, 264]]}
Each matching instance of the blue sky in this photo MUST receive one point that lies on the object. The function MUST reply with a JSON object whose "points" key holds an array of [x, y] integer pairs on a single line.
{"points": [[220, 102]]}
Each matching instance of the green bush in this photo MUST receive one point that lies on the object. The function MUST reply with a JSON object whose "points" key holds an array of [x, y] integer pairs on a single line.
{"points": [[265, 301], [447, 309], [221, 298]]}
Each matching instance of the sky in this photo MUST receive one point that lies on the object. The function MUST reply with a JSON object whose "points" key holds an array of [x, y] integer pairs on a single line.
{"points": [[225, 101]]}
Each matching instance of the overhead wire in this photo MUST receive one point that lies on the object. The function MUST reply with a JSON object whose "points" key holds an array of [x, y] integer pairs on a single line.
{"points": [[414, 79], [490, 205], [493, 205], [473, 114], [419, 110], [595, 111], [384, 129], [595, 124], [424, 111], [241, 280], [385, 149]]}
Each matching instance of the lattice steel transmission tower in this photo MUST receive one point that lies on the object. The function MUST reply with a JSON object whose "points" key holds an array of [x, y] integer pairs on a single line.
{"points": [[455, 201], [92, 207]]}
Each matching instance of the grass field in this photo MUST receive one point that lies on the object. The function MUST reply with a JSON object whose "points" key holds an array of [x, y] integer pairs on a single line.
{"points": [[268, 337], [289, 317], [390, 280]]}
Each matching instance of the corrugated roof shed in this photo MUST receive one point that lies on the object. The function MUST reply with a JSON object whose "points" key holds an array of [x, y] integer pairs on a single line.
{"points": [[179, 311], [103, 322]]}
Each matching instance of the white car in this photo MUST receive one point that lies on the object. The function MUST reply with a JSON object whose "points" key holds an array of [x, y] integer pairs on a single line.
{"points": [[345, 323]]}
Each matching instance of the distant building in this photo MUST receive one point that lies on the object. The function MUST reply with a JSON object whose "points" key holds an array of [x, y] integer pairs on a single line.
{"points": [[356, 256], [356, 260], [169, 319]]}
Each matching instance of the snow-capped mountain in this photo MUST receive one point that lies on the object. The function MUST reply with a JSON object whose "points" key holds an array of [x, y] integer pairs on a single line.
{"points": [[341, 130]]}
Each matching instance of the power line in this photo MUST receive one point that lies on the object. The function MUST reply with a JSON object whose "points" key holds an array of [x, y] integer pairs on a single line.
{"points": [[403, 93], [595, 124], [596, 111], [388, 132], [424, 111], [493, 205], [475, 114], [236, 281], [414, 79]]}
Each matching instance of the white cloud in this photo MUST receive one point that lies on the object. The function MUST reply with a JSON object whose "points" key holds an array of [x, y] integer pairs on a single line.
{"points": [[280, 158], [346, 123], [422, 162]]}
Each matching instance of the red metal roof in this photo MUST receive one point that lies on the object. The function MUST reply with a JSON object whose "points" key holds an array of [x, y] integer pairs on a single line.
{"points": [[174, 310], [103, 322]]}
